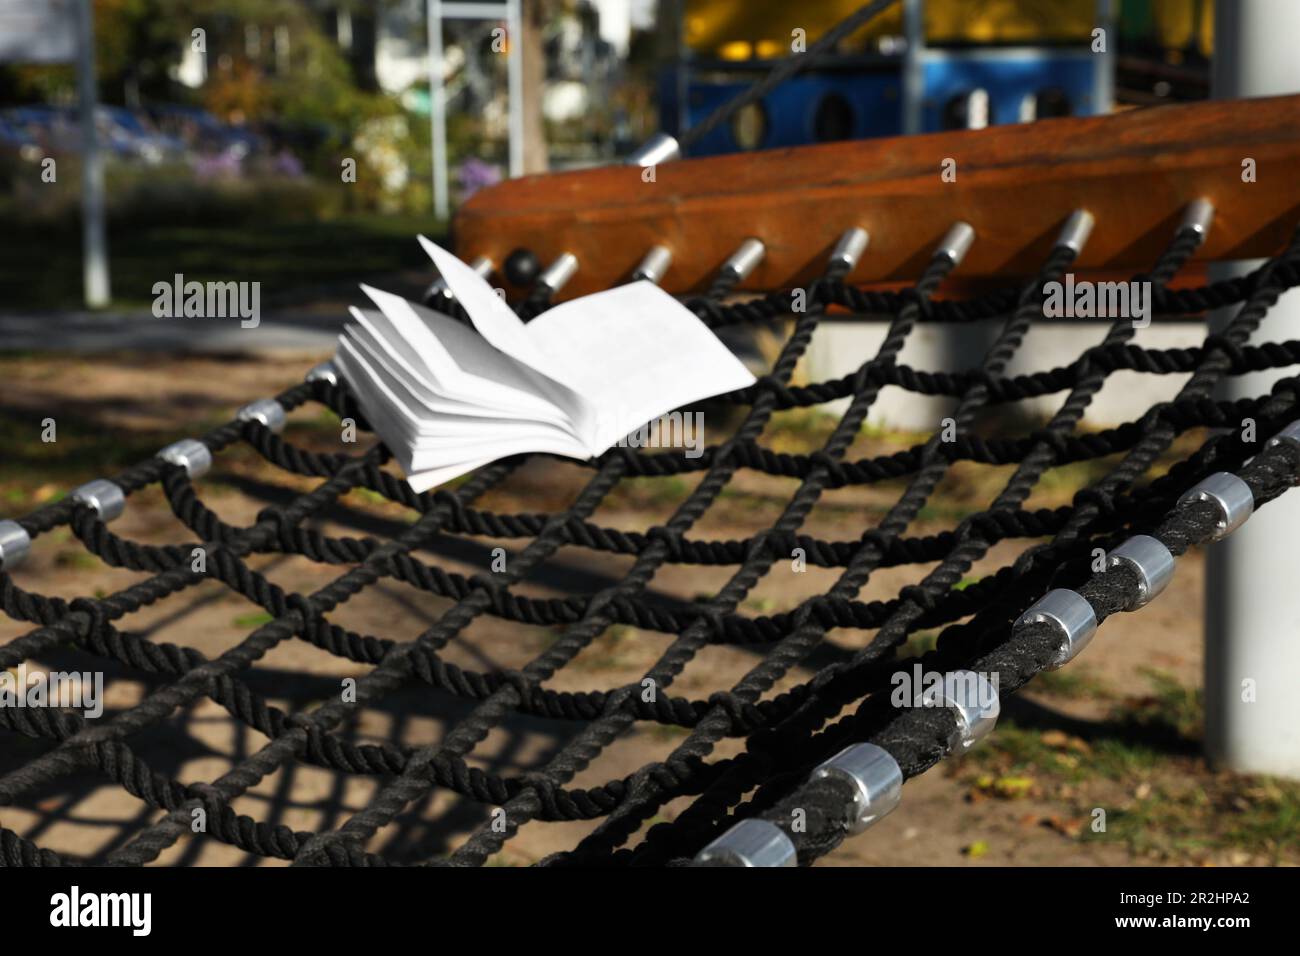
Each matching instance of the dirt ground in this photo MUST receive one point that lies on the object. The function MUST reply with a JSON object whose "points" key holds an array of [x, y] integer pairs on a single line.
{"points": [[1117, 731]]}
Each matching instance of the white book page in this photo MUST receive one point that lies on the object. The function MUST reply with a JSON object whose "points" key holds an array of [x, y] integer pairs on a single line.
{"points": [[422, 481], [461, 364], [605, 364], [632, 352], [445, 416], [392, 418], [638, 353], [424, 457], [493, 318], [421, 442], [360, 364], [409, 386], [499, 325]]}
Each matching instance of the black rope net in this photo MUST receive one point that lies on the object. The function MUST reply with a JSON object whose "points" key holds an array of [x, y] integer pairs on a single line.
{"points": [[779, 736]]}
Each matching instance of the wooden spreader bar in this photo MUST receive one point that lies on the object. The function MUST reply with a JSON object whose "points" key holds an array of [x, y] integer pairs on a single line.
{"points": [[1135, 171]]}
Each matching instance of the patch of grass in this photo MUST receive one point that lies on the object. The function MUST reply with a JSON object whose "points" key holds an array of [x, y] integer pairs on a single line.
{"points": [[1172, 807], [1070, 684], [1142, 733], [15, 496], [893, 436], [1065, 480], [922, 642], [246, 622], [648, 491], [41, 264], [1022, 750], [77, 560], [370, 496], [608, 651], [81, 447], [667, 732], [1169, 708], [1121, 759], [1265, 813], [798, 431], [1257, 817]]}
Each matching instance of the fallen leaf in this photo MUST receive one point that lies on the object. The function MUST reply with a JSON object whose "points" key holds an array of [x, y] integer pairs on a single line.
{"points": [[1066, 826], [1060, 740], [45, 493], [1011, 788]]}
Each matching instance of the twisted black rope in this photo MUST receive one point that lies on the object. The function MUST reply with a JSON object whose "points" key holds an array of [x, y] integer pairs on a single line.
{"points": [[780, 732], [807, 633], [829, 685], [921, 750]]}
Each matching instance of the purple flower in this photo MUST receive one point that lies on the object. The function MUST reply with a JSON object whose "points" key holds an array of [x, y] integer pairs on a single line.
{"points": [[474, 174]]}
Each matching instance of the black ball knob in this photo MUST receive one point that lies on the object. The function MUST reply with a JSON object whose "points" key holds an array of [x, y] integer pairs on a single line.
{"points": [[522, 267]]}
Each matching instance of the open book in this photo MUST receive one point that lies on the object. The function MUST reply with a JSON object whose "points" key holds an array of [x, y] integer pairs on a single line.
{"points": [[447, 398]]}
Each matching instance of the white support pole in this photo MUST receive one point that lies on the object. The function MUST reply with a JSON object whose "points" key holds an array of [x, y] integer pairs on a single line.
{"points": [[438, 112], [1252, 627], [1103, 77], [94, 233], [913, 79], [515, 77], [438, 12]]}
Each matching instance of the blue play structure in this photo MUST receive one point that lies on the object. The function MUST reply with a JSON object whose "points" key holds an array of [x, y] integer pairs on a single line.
{"points": [[931, 88]]}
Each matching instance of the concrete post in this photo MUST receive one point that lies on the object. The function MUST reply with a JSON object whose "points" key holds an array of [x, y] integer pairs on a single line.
{"points": [[1252, 627]]}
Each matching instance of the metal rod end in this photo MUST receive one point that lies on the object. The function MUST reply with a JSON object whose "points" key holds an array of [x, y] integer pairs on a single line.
{"points": [[848, 250], [15, 544], [957, 242], [1198, 216], [104, 496], [267, 411], [559, 272], [745, 259], [1070, 616], [324, 372], [190, 454], [752, 842], [654, 265], [1074, 234], [659, 148]]}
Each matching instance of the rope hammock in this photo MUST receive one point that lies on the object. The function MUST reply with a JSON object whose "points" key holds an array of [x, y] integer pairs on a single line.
{"points": [[791, 761]]}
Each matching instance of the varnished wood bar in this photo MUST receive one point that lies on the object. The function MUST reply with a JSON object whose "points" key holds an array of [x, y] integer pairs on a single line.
{"points": [[1015, 184]]}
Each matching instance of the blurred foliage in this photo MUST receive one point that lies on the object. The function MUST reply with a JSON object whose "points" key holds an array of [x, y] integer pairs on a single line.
{"points": [[275, 68], [297, 258], [304, 96]]}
